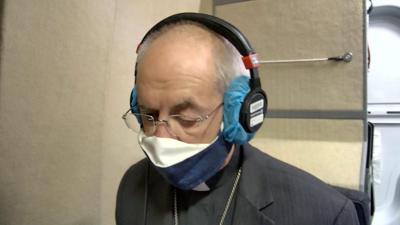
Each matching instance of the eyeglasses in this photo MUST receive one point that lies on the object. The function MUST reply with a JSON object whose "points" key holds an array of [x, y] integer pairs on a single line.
{"points": [[176, 124]]}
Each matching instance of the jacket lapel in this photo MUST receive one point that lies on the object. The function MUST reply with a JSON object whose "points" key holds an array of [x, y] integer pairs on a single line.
{"points": [[253, 195]]}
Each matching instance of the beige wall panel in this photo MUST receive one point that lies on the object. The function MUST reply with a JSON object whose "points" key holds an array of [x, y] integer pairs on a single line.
{"points": [[312, 129], [132, 20], [299, 29], [336, 163], [206, 6], [329, 149], [66, 75], [51, 102]]}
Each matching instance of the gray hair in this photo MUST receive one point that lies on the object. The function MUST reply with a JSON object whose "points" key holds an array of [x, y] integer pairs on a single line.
{"points": [[228, 62]]}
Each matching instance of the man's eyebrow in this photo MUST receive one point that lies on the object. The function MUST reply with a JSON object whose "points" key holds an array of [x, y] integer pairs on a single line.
{"points": [[187, 103], [183, 105]]}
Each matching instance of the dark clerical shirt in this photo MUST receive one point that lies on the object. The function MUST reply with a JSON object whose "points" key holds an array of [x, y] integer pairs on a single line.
{"points": [[207, 207]]}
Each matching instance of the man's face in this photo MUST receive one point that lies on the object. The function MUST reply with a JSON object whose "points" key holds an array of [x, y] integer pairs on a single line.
{"points": [[177, 76]]}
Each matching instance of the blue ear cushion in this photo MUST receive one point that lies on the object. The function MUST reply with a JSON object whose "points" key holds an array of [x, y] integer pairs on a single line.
{"points": [[134, 104], [233, 98]]}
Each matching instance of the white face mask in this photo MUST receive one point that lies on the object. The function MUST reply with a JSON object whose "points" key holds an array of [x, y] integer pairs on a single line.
{"points": [[166, 152], [184, 165]]}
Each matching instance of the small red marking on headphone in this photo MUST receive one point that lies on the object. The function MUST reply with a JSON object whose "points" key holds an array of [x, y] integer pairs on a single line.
{"points": [[250, 61]]}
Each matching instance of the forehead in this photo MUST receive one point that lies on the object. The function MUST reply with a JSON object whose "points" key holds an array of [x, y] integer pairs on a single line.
{"points": [[177, 66]]}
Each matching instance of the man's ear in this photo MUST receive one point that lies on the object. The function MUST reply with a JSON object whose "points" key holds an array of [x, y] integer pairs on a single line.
{"points": [[233, 99]]}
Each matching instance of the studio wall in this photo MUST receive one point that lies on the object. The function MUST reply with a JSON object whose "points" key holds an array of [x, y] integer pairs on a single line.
{"points": [[317, 110], [67, 72], [66, 75]]}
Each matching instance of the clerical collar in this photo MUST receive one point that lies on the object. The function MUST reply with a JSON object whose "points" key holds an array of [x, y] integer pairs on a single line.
{"points": [[224, 175]]}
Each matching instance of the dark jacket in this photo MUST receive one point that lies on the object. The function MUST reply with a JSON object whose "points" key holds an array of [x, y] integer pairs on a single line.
{"points": [[269, 192]]}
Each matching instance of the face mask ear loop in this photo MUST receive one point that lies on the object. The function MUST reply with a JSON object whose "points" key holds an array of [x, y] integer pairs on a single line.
{"points": [[140, 135]]}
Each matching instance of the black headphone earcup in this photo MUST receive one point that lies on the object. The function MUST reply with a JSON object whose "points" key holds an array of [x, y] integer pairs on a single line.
{"points": [[254, 110]]}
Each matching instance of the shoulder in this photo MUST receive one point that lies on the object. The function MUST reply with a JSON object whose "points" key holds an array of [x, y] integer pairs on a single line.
{"points": [[134, 178], [297, 192], [130, 193], [135, 172]]}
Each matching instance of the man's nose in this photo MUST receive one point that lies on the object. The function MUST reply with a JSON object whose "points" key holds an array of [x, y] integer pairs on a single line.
{"points": [[162, 130]]}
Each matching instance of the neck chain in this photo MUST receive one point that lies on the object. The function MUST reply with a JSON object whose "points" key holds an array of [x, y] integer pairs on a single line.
{"points": [[228, 203]]}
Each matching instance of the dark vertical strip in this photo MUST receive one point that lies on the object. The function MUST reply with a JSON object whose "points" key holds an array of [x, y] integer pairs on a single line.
{"points": [[364, 172], [365, 68]]}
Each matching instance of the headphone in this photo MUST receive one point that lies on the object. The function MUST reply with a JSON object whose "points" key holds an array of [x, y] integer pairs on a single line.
{"points": [[253, 107]]}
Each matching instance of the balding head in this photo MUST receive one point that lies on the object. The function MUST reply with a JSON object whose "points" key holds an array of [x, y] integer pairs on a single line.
{"points": [[226, 60]]}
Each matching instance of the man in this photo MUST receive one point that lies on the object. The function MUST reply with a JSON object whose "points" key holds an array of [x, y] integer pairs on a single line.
{"points": [[194, 172]]}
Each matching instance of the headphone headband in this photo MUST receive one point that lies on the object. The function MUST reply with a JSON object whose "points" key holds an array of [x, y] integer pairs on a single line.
{"points": [[223, 28]]}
